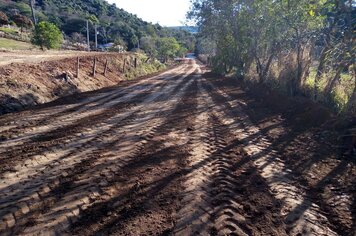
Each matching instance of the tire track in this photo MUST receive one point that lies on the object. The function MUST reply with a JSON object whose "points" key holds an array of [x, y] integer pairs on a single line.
{"points": [[194, 217], [209, 204], [83, 159], [136, 139], [220, 187], [72, 114], [226, 215], [274, 171], [55, 137], [163, 156], [78, 142]]}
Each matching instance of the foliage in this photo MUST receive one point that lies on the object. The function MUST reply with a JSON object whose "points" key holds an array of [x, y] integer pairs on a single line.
{"points": [[3, 18], [77, 38], [47, 35], [250, 37], [112, 22], [163, 48], [148, 44], [22, 21], [167, 48], [8, 30]]}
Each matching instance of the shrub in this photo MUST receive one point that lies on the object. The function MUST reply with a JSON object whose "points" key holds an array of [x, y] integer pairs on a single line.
{"points": [[47, 35], [22, 21], [3, 18]]}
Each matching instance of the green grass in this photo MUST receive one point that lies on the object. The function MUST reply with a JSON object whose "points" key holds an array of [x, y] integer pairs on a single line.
{"points": [[8, 30], [341, 92], [13, 44]]}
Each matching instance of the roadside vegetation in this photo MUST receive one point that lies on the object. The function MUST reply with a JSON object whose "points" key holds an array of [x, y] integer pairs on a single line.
{"points": [[47, 35], [298, 47]]}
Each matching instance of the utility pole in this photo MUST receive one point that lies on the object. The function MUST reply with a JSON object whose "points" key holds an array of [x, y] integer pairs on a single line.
{"points": [[96, 36], [88, 36], [32, 5]]}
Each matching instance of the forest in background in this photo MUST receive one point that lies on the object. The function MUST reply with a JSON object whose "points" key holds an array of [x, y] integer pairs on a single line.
{"points": [[299, 47], [113, 24]]}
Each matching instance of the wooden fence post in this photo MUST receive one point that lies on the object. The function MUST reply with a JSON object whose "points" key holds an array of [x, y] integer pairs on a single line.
{"points": [[124, 66], [94, 67], [135, 62], [77, 67], [106, 67]]}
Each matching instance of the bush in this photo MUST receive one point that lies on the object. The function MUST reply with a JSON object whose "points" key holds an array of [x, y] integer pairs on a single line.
{"points": [[47, 35], [22, 21], [3, 18]]}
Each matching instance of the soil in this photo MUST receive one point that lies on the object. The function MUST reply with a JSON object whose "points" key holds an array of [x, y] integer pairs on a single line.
{"points": [[40, 78], [37, 56], [183, 152]]}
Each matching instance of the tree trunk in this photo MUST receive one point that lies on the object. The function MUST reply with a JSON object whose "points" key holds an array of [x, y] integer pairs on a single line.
{"points": [[351, 104], [332, 83], [32, 5], [299, 67], [268, 65], [259, 69], [320, 71]]}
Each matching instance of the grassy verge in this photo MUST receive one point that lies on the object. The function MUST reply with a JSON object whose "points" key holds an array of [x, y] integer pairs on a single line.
{"points": [[145, 66], [8, 30], [341, 93], [13, 44]]}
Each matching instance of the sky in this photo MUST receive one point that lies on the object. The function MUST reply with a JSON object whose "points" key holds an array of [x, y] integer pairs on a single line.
{"points": [[164, 12]]}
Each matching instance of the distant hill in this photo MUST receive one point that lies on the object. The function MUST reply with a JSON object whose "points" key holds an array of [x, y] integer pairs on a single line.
{"points": [[190, 29], [70, 16]]}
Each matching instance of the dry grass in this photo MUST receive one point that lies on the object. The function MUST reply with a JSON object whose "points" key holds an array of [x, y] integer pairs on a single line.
{"points": [[14, 45]]}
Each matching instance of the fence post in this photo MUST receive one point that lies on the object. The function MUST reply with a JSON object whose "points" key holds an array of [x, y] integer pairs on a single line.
{"points": [[106, 67], [94, 67], [135, 62], [77, 67], [124, 66]]}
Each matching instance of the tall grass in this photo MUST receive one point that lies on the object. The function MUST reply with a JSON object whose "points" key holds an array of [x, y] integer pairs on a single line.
{"points": [[283, 71]]}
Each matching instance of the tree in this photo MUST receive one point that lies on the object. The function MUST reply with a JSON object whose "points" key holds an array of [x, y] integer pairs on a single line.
{"points": [[3, 18], [134, 41], [167, 48], [47, 35], [77, 38], [32, 5], [22, 21], [253, 37], [148, 44]]}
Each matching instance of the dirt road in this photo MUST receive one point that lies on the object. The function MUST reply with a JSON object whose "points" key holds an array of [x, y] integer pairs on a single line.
{"points": [[37, 56], [174, 154]]}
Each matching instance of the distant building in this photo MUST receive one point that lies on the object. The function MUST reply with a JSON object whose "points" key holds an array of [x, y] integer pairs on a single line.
{"points": [[111, 47]]}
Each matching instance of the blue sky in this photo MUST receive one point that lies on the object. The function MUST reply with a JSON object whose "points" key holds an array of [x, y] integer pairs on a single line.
{"points": [[164, 12]]}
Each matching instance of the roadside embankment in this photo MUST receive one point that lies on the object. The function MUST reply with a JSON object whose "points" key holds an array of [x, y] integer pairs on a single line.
{"points": [[27, 84]]}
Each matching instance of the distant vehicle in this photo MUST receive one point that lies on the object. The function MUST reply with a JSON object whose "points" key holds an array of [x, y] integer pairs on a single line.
{"points": [[105, 47], [190, 56]]}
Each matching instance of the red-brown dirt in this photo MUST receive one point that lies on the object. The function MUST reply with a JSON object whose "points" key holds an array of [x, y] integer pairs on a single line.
{"points": [[40, 79], [179, 153]]}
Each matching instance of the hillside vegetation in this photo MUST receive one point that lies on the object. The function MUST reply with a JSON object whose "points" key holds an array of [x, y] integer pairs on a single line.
{"points": [[114, 24]]}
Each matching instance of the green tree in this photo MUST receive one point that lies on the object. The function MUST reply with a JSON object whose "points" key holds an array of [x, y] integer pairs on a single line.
{"points": [[47, 35], [168, 48], [148, 44]]}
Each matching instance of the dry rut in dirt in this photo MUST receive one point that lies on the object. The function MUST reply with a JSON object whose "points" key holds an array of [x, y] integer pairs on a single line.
{"points": [[174, 154]]}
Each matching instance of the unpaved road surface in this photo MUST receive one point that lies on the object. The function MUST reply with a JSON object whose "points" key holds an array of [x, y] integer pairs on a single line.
{"points": [[174, 154], [23, 56]]}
